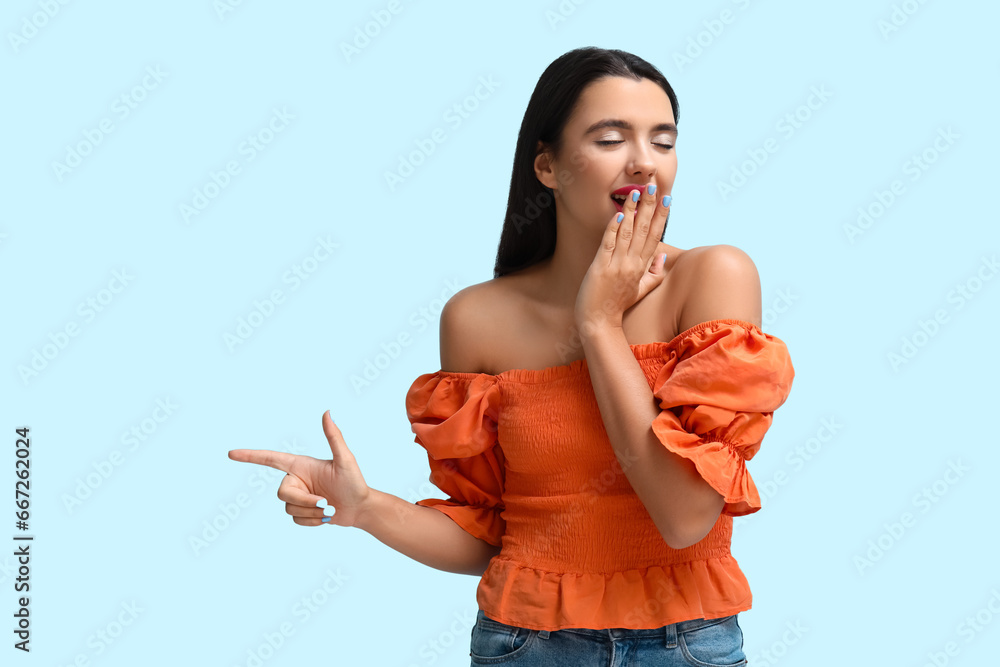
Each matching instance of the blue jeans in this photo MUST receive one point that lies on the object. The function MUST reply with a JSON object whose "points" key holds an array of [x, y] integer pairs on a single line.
{"points": [[716, 642]]}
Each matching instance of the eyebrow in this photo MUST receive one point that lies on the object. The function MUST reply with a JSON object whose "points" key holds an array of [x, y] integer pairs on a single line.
{"points": [[625, 125]]}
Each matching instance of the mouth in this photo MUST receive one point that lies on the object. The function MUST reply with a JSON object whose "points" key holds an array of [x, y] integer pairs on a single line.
{"points": [[619, 195]]}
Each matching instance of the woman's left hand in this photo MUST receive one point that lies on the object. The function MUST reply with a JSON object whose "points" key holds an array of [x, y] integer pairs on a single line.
{"points": [[624, 270]]}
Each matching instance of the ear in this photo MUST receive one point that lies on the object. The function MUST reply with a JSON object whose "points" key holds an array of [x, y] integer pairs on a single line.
{"points": [[543, 167]]}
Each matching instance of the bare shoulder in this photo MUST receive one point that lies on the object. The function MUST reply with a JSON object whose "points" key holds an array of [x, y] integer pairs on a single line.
{"points": [[713, 257], [717, 282], [467, 324]]}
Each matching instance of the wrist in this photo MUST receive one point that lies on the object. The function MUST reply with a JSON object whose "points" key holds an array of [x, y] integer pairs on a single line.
{"points": [[368, 509], [599, 321], [598, 331]]}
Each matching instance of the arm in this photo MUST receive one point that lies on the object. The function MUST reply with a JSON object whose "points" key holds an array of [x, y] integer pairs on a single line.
{"points": [[680, 502], [424, 534]]}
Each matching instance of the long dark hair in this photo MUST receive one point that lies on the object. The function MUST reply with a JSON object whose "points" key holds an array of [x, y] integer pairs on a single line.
{"points": [[529, 226]]}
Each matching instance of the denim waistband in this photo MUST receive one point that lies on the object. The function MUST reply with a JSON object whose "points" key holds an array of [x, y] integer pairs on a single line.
{"points": [[668, 632]]}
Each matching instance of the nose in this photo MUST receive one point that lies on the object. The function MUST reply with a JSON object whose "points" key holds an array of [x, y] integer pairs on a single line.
{"points": [[641, 163]]}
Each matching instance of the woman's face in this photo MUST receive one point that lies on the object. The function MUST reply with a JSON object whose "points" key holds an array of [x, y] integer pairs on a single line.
{"points": [[621, 132]]}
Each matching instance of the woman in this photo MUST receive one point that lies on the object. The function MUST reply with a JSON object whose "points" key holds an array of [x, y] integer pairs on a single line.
{"points": [[603, 394]]}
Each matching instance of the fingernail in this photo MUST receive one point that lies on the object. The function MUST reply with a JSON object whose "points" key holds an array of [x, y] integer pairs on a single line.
{"points": [[331, 416], [666, 200], [621, 216], [325, 519], [328, 511], [635, 195], [651, 189], [321, 502]]}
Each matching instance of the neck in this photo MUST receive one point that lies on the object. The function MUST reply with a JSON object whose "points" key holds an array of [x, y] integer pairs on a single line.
{"points": [[563, 272]]}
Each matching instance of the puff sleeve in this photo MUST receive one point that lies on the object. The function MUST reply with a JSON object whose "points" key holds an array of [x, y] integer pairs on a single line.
{"points": [[721, 383], [454, 417]]}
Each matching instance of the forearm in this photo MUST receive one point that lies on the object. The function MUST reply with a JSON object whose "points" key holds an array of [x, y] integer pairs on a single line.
{"points": [[680, 502], [424, 534]]}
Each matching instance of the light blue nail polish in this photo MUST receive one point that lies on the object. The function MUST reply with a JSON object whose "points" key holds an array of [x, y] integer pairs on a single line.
{"points": [[621, 216], [329, 511], [635, 195], [325, 519], [651, 189], [321, 502], [666, 200]]}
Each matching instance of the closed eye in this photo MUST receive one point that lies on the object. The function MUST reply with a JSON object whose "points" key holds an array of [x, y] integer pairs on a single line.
{"points": [[608, 142]]}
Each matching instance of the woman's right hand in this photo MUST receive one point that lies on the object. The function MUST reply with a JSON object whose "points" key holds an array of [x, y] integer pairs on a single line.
{"points": [[312, 484]]}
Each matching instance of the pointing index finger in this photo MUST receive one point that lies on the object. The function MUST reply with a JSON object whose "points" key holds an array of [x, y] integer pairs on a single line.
{"points": [[266, 457]]}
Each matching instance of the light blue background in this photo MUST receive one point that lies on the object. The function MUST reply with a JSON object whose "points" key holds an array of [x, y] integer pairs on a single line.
{"points": [[847, 306]]}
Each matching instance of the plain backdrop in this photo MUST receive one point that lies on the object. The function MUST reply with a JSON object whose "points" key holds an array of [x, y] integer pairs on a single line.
{"points": [[202, 248]]}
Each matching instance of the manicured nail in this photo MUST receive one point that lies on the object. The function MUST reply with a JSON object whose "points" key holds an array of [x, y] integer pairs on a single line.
{"points": [[651, 189], [329, 511], [321, 502], [666, 200], [621, 216], [635, 195], [325, 519]]}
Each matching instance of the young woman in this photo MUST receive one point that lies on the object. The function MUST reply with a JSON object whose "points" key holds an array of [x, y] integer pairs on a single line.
{"points": [[596, 404]]}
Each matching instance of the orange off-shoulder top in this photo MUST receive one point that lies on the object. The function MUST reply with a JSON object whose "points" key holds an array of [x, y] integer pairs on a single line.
{"points": [[527, 466]]}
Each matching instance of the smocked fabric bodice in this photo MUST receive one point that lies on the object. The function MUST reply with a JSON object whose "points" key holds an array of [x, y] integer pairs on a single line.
{"points": [[527, 465]]}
